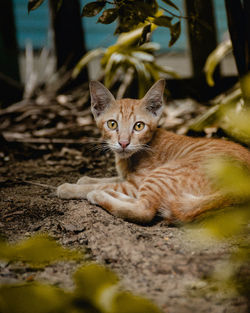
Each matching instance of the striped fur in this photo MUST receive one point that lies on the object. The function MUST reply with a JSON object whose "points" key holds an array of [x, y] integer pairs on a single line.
{"points": [[158, 171]]}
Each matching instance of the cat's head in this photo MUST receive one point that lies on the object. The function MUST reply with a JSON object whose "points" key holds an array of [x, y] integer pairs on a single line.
{"points": [[127, 125]]}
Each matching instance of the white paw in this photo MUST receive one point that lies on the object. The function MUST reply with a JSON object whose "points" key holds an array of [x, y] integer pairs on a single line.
{"points": [[93, 196], [66, 191], [85, 180]]}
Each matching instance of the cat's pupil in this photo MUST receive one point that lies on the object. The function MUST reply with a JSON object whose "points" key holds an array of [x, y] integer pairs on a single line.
{"points": [[112, 124], [139, 126]]}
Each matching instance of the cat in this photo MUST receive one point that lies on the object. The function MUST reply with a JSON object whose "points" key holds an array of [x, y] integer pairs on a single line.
{"points": [[158, 171]]}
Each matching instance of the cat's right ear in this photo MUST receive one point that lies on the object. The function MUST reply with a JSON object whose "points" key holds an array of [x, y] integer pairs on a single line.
{"points": [[101, 98]]}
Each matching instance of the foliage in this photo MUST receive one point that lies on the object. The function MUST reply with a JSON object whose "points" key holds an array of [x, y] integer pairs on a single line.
{"points": [[129, 18], [215, 58], [34, 4], [229, 110], [128, 58], [96, 288], [132, 57], [129, 15], [232, 223], [37, 251]]}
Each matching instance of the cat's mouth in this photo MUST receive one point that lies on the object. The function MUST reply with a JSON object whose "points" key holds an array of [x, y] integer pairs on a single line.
{"points": [[124, 152]]}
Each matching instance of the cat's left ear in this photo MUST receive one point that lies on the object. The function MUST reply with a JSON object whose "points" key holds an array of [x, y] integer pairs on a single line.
{"points": [[153, 100]]}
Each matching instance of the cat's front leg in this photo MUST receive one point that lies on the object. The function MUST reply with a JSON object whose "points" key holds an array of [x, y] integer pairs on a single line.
{"points": [[74, 191], [92, 180]]}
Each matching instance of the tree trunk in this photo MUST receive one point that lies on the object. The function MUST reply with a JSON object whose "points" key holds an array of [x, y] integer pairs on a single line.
{"points": [[202, 34], [68, 36], [238, 15], [11, 89]]}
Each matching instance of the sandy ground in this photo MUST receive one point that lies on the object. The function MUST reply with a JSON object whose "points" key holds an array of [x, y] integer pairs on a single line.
{"points": [[157, 261]]}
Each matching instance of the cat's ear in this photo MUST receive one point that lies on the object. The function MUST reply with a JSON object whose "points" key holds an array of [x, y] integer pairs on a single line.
{"points": [[101, 98], [153, 100]]}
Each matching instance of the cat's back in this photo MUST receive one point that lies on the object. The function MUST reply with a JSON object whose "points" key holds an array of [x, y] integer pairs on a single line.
{"points": [[173, 146]]}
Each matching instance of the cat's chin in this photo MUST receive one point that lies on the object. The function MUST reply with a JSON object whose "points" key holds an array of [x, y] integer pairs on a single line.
{"points": [[124, 154]]}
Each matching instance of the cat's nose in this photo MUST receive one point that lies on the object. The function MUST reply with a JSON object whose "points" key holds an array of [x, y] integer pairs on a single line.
{"points": [[124, 143]]}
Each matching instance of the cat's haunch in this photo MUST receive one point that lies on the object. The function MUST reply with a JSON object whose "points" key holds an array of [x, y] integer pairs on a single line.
{"points": [[158, 171]]}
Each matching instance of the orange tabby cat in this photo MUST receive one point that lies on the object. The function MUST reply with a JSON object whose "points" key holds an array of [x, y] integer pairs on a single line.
{"points": [[158, 171]]}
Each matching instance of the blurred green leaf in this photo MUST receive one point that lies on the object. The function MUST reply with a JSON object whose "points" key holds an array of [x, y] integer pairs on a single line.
{"points": [[167, 70], [227, 223], [149, 47], [230, 176], [146, 31], [91, 279], [34, 4], [171, 3], [93, 8], [209, 118], [217, 113], [33, 298], [89, 56], [142, 56], [215, 58], [163, 21], [113, 63], [108, 16], [175, 32], [96, 287], [126, 56], [126, 302], [38, 251], [235, 122]]}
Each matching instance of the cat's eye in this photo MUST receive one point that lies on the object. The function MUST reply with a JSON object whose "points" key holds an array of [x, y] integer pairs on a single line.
{"points": [[139, 126], [112, 124]]}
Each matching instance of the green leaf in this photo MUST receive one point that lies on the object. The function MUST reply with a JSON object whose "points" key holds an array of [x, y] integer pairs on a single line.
{"points": [[108, 16], [170, 3], [166, 70], [143, 76], [38, 251], [149, 47], [146, 31], [235, 122], [143, 10], [93, 8], [32, 297], [207, 119], [143, 56], [215, 58], [125, 302], [91, 279], [163, 21], [175, 31], [34, 4], [89, 56], [112, 65], [231, 176]]}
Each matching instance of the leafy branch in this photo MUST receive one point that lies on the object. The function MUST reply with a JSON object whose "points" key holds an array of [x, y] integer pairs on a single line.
{"points": [[129, 14]]}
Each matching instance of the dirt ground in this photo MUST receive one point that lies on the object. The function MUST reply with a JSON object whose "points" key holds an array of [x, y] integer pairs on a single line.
{"points": [[157, 261]]}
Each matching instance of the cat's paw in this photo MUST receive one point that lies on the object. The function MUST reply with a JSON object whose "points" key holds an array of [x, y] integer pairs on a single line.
{"points": [[86, 180], [66, 191], [94, 195]]}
